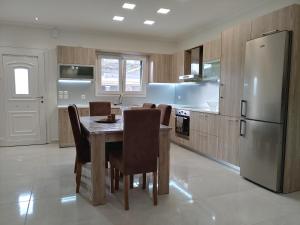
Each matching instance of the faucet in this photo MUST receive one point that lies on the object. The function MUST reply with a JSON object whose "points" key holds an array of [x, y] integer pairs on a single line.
{"points": [[120, 100]]}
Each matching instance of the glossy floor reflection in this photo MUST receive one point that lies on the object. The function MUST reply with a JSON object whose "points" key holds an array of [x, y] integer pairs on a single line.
{"points": [[37, 188]]}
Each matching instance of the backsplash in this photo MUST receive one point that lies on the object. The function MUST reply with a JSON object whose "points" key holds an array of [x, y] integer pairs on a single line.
{"points": [[156, 93], [192, 94], [198, 94]]}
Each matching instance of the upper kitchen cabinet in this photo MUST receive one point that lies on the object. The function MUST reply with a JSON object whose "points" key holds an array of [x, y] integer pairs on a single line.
{"points": [[232, 66], [76, 55], [279, 20], [160, 70], [177, 66], [212, 50]]}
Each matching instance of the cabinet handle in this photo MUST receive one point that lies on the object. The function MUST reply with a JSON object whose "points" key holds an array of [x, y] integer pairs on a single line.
{"points": [[242, 128], [269, 32], [243, 108]]}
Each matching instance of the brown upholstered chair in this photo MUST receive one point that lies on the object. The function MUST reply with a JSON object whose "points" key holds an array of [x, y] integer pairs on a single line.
{"points": [[165, 114], [149, 106], [139, 151], [83, 152], [100, 108]]}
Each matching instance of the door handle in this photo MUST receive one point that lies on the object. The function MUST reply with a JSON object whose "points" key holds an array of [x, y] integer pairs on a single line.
{"points": [[243, 108], [242, 128], [40, 97]]}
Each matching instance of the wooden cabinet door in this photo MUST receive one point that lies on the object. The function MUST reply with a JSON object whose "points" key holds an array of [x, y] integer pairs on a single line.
{"points": [[232, 66], [66, 138], [76, 55], [160, 68], [177, 66], [282, 19], [198, 122], [212, 50], [229, 140]]}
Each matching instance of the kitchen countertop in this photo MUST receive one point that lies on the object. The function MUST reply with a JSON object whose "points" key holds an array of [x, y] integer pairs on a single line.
{"points": [[175, 106]]}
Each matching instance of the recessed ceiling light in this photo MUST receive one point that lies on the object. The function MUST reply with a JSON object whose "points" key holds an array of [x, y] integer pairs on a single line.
{"points": [[128, 6], [36, 18], [163, 11], [149, 22], [118, 18]]}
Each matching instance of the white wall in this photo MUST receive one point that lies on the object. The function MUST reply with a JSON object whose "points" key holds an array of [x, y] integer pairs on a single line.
{"points": [[45, 39], [204, 34]]}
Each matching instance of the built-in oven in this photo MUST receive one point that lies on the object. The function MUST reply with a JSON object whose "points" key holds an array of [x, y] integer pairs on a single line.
{"points": [[182, 123]]}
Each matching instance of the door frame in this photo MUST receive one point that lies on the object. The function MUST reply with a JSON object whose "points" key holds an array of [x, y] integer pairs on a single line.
{"points": [[40, 54]]}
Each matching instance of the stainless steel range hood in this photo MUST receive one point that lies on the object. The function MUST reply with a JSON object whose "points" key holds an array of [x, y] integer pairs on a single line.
{"points": [[193, 60]]}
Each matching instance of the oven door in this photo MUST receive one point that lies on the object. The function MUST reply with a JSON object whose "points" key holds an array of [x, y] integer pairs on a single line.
{"points": [[183, 125]]}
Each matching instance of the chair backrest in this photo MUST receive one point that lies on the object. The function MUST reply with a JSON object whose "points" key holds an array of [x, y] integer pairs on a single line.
{"points": [[100, 108], [81, 143], [165, 114], [149, 106], [141, 140]]}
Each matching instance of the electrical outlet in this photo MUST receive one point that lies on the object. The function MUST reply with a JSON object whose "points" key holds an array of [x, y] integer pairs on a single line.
{"points": [[83, 97], [179, 97]]}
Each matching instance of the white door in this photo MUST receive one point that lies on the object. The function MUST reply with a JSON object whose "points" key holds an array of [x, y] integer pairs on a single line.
{"points": [[24, 101]]}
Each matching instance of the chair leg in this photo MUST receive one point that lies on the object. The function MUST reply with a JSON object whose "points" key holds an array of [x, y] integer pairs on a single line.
{"points": [[144, 181], [117, 179], [78, 176], [75, 164], [126, 189], [131, 181], [112, 179], [155, 188]]}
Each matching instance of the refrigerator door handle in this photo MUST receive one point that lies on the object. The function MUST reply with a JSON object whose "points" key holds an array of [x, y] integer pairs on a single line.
{"points": [[242, 128], [243, 108]]}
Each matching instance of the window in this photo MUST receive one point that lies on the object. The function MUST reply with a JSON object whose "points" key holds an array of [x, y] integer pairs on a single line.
{"points": [[121, 75], [21, 81]]}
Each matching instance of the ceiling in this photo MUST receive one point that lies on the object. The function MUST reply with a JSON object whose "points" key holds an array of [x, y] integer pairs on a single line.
{"points": [[186, 16]]}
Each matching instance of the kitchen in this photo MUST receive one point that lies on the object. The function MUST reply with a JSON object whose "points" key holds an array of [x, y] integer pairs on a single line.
{"points": [[203, 82]]}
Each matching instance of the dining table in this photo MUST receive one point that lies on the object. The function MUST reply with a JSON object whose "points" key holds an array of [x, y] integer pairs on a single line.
{"points": [[93, 180]]}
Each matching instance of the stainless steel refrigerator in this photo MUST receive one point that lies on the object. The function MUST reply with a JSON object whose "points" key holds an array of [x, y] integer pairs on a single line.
{"points": [[264, 110]]}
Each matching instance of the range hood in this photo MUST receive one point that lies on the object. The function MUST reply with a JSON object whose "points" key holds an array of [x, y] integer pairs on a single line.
{"points": [[193, 65]]}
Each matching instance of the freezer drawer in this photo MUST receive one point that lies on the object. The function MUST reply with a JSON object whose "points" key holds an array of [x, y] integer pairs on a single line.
{"points": [[261, 153]]}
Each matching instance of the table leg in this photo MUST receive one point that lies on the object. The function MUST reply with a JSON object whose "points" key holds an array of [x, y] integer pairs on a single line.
{"points": [[164, 162], [98, 169]]}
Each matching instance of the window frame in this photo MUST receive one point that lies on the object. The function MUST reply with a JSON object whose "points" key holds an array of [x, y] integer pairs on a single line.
{"points": [[122, 75]]}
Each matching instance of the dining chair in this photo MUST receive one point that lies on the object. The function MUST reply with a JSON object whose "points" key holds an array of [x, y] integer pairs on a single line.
{"points": [[82, 145], [149, 106], [165, 114], [139, 152], [100, 108]]}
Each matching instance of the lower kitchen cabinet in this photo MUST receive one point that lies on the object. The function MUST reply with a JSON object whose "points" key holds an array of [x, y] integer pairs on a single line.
{"points": [[229, 140]]}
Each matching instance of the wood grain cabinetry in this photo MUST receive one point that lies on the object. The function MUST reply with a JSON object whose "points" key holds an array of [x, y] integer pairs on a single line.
{"points": [[177, 66], [232, 66], [76, 55], [229, 140], [160, 70], [203, 133], [212, 50], [279, 20]]}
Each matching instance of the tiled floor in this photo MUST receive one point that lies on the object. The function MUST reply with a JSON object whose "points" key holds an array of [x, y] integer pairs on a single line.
{"points": [[37, 188]]}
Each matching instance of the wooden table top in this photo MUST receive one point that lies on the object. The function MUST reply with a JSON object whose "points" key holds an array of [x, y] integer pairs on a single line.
{"points": [[90, 124]]}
